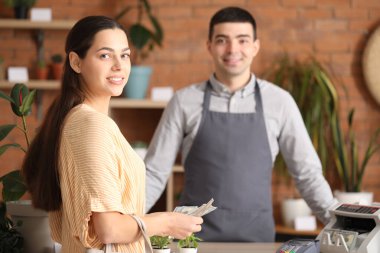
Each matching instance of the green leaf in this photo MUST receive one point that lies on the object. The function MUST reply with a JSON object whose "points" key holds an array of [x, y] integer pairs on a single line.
{"points": [[123, 12], [4, 96], [140, 36], [18, 92], [6, 146], [13, 186], [26, 106], [5, 130], [158, 34]]}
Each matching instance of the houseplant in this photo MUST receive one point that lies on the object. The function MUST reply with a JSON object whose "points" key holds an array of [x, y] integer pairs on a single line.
{"points": [[11, 240], [160, 244], [41, 70], [143, 40], [34, 222], [57, 66], [350, 169], [21, 7], [189, 244], [314, 97], [2, 73]]}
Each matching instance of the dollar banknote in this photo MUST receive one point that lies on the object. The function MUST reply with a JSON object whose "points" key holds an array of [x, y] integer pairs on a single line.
{"points": [[198, 211], [349, 237]]}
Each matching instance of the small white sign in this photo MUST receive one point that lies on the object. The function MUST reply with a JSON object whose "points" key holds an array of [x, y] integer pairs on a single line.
{"points": [[162, 93], [40, 14], [18, 74], [305, 223]]}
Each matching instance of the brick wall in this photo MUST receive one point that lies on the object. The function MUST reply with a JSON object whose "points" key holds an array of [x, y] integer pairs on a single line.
{"points": [[334, 31]]}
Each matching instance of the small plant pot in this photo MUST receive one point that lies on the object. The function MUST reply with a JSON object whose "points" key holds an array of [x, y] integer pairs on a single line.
{"points": [[161, 250], [57, 70], [42, 73], [2, 72], [188, 250], [361, 198]]}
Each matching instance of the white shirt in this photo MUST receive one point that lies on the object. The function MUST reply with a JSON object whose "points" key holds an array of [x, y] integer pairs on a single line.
{"points": [[285, 129]]}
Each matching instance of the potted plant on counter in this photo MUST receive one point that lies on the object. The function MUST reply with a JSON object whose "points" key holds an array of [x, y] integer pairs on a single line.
{"points": [[189, 244], [143, 40], [160, 244], [34, 224]]}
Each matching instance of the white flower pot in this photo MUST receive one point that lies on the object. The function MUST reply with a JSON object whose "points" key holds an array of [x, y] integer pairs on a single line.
{"points": [[361, 198], [188, 250], [34, 226], [292, 208], [161, 250]]}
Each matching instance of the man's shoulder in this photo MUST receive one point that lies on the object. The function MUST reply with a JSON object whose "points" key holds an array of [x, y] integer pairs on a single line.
{"points": [[269, 89], [191, 92]]}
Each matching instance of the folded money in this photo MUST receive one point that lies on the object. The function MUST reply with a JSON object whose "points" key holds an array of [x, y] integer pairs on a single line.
{"points": [[349, 237], [195, 210]]}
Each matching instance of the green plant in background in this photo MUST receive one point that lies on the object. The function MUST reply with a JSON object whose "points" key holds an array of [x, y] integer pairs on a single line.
{"points": [[346, 155], [11, 240], [21, 101], [17, 3], [56, 58], [41, 64], [141, 37], [160, 242], [305, 81], [189, 242]]}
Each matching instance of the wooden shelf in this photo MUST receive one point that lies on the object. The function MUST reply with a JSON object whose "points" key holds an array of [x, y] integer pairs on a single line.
{"points": [[137, 103], [34, 84], [28, 24]]}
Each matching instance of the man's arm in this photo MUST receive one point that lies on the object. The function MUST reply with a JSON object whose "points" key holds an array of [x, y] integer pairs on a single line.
{"points": [[303, 163], [163, 150]]}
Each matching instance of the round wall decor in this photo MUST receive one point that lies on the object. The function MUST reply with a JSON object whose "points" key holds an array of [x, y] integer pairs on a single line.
{"points": [[371, 64]]}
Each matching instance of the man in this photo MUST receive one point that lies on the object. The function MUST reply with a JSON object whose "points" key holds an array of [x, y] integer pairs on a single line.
{"points": [[231, 128]]}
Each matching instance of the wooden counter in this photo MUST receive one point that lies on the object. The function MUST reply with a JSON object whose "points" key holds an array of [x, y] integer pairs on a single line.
{"points": [[215, 247]]}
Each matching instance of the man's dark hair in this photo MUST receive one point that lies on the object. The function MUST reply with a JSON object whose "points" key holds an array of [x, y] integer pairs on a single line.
{"points": [[231, 14]]}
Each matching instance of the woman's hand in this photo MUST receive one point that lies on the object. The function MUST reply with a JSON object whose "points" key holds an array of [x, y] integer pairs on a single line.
{"points": [[173, 224]]}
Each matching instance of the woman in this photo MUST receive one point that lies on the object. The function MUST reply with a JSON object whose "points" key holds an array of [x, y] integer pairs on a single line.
{"points": [[79, 167]]}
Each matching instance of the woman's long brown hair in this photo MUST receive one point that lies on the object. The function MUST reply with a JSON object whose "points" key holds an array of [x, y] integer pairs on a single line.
{"points": [[40, 166]]}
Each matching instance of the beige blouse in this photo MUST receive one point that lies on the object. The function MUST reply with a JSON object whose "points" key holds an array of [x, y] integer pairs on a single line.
{"points": [[99, 172]]}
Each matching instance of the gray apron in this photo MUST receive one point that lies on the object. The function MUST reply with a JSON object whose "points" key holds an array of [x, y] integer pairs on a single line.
{"points": [[230, 161]]}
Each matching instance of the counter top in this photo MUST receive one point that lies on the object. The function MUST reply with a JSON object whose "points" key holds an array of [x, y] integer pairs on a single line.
{"points": [[223, 247]]}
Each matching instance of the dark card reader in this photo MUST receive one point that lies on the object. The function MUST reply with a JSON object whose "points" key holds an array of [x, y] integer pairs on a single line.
{"points": [[299, 246]]}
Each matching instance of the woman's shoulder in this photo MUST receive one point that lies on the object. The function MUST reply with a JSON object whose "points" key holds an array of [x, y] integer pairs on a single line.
{"points": [[84, 118]]}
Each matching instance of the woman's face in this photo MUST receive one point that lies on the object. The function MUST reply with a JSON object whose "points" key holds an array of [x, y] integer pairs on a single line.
{"points": [[105, 69]]}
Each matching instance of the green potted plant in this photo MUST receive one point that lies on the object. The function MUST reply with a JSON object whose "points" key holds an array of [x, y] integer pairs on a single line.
{"points": [[57, 66], [21, 7], [304, 81], [160, 244], [189, 244], [34, 222], [350, 169], [41, 70], [10, 239], [2, 74], [142, 41]]}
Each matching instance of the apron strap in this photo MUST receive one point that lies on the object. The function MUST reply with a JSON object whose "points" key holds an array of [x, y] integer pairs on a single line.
{"points": [[207, 98]]}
